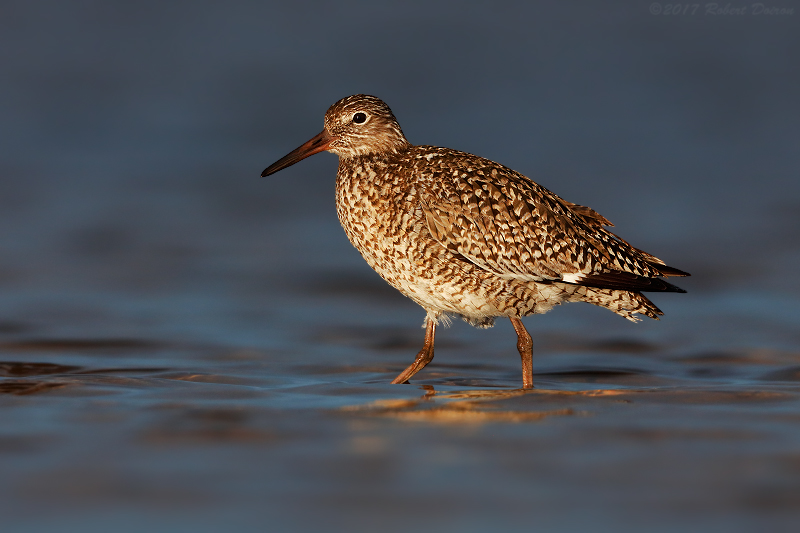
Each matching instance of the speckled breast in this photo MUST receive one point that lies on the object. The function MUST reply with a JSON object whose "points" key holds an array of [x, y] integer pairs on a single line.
{"points": [[380, 213]]}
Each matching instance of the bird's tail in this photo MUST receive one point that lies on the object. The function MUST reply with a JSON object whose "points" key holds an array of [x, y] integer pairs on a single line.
{"points": [[627, 304]]}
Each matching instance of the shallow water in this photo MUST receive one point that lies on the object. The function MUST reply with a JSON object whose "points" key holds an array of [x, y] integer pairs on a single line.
{"points": [[185, 347], [658, 426]]}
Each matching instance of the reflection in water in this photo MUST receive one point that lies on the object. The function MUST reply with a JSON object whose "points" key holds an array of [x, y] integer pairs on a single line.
{"points": [[491, 394], [520, 405], [463, 407], [56, 376], [10, 369], [27, 387]]}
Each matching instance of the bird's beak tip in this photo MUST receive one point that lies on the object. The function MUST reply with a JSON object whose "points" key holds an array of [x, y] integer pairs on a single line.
{"points": [[317, 144]]}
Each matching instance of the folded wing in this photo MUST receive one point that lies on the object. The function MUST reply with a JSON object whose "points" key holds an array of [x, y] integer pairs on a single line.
{"points": [[505, 223]]}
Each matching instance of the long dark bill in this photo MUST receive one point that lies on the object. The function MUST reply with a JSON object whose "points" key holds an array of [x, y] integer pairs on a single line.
{"points": [[318, 144]]}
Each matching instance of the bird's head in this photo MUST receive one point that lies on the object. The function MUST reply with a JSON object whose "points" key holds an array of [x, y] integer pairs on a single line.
{"points": [[354, 126]]}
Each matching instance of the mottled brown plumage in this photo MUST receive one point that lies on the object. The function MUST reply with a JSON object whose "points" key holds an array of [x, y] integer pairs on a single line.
{"points": [[462, 235]]}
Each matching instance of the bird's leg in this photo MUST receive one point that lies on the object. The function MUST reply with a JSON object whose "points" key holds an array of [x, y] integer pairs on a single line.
{"points": [[424, 356], [524, 345]]}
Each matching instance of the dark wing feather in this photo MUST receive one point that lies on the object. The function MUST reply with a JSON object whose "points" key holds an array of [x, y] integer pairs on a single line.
{"points": [[627, 282], [668, 271]]}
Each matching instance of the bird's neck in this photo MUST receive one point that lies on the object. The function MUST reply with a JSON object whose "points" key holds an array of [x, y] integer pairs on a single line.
{"points": [[375, 159]]}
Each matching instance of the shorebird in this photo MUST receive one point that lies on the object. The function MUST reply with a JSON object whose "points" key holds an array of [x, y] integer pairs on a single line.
{"points": [[464, 236]]}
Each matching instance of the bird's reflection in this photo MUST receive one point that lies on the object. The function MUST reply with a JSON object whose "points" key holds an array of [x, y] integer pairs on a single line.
{"points": [[466, 407]]}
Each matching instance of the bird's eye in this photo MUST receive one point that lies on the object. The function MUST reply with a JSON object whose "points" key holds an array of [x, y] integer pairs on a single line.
{"points": [[360, 118]]}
